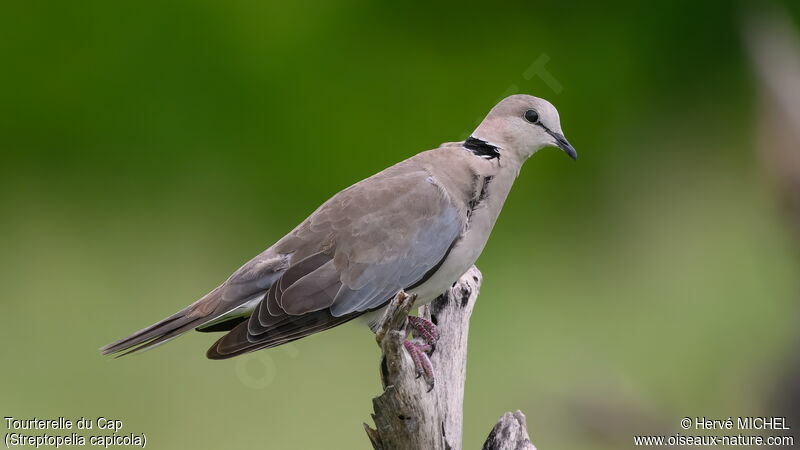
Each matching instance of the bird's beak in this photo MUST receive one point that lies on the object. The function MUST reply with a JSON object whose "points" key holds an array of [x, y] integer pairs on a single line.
{"points": [[562, 143]]}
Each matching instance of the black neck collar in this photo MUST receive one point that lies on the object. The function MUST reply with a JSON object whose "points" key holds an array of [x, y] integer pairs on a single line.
{"points": [[481, 148]]}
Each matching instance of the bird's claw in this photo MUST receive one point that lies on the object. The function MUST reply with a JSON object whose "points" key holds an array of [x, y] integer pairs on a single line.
{"points": [[421, 347], [422, 363], [424, 330]]}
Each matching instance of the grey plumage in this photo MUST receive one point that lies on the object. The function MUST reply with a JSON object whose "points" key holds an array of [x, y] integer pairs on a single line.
{"points": [[417, 226]]}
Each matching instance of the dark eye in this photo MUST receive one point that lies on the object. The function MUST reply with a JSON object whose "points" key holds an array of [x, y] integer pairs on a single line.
{"points": [[531, 116]]}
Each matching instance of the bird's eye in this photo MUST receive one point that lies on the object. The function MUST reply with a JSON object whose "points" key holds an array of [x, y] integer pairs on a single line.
{"points": [[532, 116]]}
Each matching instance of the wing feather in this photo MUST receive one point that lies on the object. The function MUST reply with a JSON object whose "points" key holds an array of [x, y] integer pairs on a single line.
{"points": [[351, 256]]}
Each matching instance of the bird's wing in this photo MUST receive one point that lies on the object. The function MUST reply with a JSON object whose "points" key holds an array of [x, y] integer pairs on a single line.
{"points": [[379, 236], [352, 255]]}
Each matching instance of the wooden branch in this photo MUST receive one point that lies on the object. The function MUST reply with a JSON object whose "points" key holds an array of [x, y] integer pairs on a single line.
{"points": [[409, 416], [510, 433]]}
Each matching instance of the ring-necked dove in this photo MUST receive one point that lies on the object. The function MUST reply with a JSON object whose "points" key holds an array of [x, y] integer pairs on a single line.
{"points": [[416, 226]]}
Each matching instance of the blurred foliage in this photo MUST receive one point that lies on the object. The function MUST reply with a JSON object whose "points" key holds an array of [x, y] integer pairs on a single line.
{"points": [[149, 149]]}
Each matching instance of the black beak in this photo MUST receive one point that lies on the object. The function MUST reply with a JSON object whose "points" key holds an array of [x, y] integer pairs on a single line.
{"points": [[562, 143]]}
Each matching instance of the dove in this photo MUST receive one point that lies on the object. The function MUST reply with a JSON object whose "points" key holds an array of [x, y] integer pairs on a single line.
{"points": [[416, 226]]}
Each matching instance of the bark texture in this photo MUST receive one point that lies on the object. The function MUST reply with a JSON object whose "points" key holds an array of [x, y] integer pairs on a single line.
{"points": [[409, 416]]}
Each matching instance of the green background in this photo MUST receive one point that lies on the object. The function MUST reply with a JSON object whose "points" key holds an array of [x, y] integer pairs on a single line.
{"points": [[150, 148]]}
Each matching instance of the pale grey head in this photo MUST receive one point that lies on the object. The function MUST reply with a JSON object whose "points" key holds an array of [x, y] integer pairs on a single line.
{"points": [[521, 125]]}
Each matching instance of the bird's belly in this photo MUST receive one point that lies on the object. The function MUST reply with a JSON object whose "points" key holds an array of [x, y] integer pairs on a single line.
{"points": [[459, 260], [461, 257]]}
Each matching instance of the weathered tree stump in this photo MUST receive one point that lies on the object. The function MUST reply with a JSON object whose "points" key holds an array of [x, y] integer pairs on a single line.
{"points": [[510, 433], [409, 416]]}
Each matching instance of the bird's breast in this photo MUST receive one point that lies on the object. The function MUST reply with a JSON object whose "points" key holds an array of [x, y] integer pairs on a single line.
{"points": [[486, 199], [488, 195], [462, 256]]}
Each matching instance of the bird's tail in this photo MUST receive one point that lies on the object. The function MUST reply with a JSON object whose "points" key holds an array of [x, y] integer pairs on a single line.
{"points": [[194, 315]]}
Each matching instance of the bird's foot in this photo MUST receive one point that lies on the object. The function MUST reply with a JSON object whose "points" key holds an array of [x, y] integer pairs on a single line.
{"points": [[424, 330], [419, 352], [422, 346]]}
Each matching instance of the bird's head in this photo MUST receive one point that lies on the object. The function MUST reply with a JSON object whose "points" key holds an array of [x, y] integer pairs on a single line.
{"points": [[521, 125]]}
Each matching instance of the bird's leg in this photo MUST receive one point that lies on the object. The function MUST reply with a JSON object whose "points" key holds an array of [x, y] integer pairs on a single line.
{"points": [[425, 337]]}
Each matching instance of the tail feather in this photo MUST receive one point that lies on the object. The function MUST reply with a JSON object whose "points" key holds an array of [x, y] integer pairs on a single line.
{"points": [[184, 320], [155, 334]]}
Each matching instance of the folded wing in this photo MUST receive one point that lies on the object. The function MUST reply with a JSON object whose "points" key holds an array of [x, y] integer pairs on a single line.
{"points": [[351, 256]]}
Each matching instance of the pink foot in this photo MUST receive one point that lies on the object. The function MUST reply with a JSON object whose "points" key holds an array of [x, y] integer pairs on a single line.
{"points": [[424, 330], [422, 363]]}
